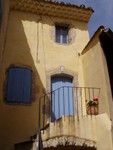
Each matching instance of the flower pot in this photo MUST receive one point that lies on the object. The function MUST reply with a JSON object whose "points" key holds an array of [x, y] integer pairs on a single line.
{"points": [[92, 110]]}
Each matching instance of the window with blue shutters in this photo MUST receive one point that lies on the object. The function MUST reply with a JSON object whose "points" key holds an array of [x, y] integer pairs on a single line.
{"points": [[19, 85], [62, 34]]}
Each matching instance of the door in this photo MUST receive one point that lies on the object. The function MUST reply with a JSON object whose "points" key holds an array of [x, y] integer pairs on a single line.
{"points": [[62, 97]]}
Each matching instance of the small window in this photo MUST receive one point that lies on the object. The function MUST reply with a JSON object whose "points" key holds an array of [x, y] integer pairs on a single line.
{"points": [[62, 34], [19, 85]]}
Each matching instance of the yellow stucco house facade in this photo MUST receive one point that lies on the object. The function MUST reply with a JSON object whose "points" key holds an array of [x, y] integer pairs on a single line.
{"points": [[56, 85]]}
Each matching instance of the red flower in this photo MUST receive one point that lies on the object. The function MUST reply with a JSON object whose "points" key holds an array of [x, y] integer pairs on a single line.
{"points": [[95, 99]]}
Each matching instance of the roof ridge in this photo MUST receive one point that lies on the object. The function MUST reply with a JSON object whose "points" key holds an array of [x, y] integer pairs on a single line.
{"points": [[67, 4]]}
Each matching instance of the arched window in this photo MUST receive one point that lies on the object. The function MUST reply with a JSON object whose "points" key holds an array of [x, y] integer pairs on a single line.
{"points": [[19, 85], [62, 97]]}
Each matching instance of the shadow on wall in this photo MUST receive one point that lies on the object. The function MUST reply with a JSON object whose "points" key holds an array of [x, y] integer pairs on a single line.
{"points": [[19, 121]]}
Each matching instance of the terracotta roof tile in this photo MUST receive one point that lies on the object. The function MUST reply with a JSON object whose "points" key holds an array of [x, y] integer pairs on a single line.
{"points": [[69, 4], [53, 8]]}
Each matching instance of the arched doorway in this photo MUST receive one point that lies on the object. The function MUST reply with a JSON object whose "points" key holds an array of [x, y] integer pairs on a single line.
{"points": [[62, 97]]}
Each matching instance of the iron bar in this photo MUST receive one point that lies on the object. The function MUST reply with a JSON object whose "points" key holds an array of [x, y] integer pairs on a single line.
{"points": [[49, 107], [85, 99], [81, 101], [89, 100], [44, 114], [64, 104], [54, 107], [93, 99], [58, 103], [39, 146], [68, 104], [73, 103], [77, 99]]}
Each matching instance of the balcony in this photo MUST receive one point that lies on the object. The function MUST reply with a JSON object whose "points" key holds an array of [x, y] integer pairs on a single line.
{"points": [[66, 118]]}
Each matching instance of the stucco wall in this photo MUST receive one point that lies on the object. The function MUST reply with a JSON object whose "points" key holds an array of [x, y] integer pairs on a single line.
{"points": [[28, 44], [5, 13], [81, 131], [96, 74]]}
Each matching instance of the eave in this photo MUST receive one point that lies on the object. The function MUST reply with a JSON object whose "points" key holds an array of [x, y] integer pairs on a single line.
{"points": [[54, 9], [97, 33]]}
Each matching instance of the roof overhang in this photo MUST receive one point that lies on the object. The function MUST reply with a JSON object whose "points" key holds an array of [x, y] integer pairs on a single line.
{"points": [[54, 9], [96, 34], [105, 36]]}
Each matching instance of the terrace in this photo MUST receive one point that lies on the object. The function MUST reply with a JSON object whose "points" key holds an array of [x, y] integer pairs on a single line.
{"points": [[66, 114]]}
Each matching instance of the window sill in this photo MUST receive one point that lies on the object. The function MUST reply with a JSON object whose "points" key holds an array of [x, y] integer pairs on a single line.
{"points": [[19, 104], [63, 44]]}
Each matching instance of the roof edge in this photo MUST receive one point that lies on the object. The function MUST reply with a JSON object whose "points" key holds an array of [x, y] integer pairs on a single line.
{"points": [[100, 29], [67, 4], [53, 8]]}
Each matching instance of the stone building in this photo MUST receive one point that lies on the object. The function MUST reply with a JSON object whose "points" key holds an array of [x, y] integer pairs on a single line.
{"points": [[56, 84]]}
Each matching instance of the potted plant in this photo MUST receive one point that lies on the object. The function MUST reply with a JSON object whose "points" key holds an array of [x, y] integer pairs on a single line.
{"points": [[92, 106]]}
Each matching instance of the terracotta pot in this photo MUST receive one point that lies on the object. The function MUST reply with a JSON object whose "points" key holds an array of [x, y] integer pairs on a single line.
{"points": [[92, 110]]}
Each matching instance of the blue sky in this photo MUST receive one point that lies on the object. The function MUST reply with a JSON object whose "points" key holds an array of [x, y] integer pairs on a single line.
{"points": [[103, 13]]}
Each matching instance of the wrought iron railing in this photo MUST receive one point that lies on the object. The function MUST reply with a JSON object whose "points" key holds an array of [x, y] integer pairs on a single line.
{"points": [[65, 101]]}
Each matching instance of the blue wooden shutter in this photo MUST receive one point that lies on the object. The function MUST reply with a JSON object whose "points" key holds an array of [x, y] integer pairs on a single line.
{"points": [[10, 85], [27, 86], [62, 99], [14, 91], [19, 85]]}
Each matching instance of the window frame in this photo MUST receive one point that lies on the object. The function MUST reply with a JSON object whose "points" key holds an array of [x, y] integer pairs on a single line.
{"points": [[61, 37]]}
